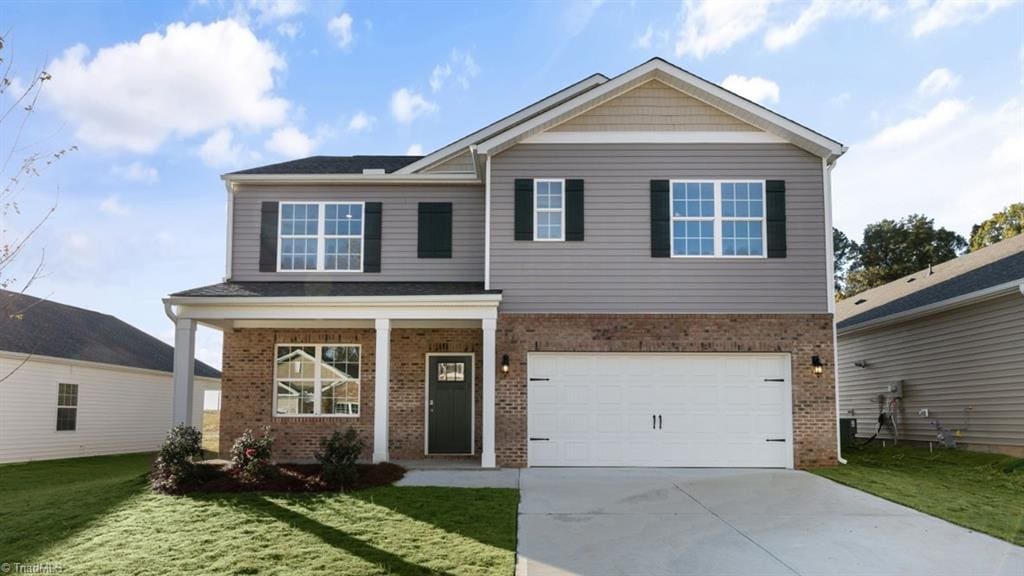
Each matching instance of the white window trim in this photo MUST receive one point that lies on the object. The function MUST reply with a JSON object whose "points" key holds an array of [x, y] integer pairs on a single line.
{"points": [[59, 406], [537, 211], [321, 237], [317, 382], [718, 218]]}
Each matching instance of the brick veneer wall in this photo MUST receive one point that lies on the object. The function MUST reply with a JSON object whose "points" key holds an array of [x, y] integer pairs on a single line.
{"points": [[814, 425], [248, 375]]}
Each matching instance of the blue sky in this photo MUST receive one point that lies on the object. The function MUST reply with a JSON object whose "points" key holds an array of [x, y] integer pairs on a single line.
{"points": [[162, 98]]}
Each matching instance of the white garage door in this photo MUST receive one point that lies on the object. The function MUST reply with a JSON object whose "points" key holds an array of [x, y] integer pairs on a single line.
{"points": [[659, 410]]}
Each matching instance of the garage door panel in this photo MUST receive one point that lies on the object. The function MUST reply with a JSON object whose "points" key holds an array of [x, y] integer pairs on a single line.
{"points": [[716, 410]]}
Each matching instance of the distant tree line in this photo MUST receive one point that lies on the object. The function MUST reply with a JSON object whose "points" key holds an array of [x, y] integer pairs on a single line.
{"points": [[892, 249]]}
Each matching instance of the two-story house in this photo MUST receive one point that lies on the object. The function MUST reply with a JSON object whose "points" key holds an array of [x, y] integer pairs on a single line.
{"points": [[633, 271]]}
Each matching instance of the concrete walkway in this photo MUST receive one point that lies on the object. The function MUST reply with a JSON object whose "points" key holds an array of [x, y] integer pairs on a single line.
{"points": [[744, 522]]}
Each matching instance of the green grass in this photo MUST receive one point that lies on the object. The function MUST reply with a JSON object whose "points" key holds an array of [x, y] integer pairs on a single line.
{"points": [[983, 492], [97, 516]]}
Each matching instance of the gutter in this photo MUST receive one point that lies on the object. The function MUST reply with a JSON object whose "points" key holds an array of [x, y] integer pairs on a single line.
{"points": [[439, 300], [169, 311], [941, 306], [392, 178]]}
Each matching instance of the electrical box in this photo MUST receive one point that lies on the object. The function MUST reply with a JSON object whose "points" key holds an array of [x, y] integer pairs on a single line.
{"points": [[896, 390], [847, 432]]}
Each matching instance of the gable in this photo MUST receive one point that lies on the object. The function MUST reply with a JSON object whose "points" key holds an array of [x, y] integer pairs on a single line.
{"points": [[654, 107], [460, 163]]}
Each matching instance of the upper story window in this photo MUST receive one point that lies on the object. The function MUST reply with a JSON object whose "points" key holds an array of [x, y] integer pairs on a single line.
{"points": [[322, 236], [549, 209], [717, 218]]}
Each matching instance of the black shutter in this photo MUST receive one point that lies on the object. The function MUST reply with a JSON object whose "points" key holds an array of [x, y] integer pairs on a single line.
{"points": [[574, 210], [775, 217], [524, 209], [434, 235], [268, 236], [372, 237], [660, 220]]}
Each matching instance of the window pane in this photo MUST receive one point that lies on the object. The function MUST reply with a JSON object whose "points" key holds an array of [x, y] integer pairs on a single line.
{"points": [[295, 397], [298, 253], [343, 220], [693, 238], [67, 419], [339, 397], [296, 362], [341, 361], [341, 252]]}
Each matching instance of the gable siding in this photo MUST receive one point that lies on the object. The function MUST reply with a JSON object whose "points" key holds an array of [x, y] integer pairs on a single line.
{"points": [[654, 106], [613, 271], [119, 411], [398, 246], [461, 164], [966, 366]]}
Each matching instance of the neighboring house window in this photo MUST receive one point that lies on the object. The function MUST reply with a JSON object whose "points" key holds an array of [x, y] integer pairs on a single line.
{"points": [[67, 407], [717, 218], [321, 236], [549, 209], [316, 380]]}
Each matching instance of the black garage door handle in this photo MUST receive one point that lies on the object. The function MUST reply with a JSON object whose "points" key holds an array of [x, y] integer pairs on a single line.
{"points": [[540, 379], [533, 439], [774, 439]]}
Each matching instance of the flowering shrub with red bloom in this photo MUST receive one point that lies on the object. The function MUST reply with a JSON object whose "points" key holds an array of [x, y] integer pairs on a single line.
{"points": [[250, 455]]}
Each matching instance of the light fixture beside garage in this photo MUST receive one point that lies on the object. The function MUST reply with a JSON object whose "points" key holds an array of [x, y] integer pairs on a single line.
{"points": [[817, 366], [504, 363]]}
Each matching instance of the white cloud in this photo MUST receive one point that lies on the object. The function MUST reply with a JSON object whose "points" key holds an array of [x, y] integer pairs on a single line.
{"points": [[959, 168], [938, 81], [414, 150], [913, 130], [840, 100], [290, 30], [137, 172], [578, 14], [341, 28], [711, 26], [219, 150], [274, 10], [755, 88], [360, 122], [781, 36], [290, 142], [112, 205], [947, 13], [406, 105], [135, 95], [439, 75], [466, 67], [643, 41]]}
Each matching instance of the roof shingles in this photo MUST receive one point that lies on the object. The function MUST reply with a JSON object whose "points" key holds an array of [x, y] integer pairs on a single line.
{"points": [[334, 165]]}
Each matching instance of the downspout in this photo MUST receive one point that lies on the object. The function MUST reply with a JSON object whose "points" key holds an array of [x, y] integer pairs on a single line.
{"points": [[487, 224], [826, 172], [230, 216], [169, 311]]}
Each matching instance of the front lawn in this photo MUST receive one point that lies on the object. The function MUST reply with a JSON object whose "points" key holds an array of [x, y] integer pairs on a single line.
{"points": [[983, 492], [97, 516]]}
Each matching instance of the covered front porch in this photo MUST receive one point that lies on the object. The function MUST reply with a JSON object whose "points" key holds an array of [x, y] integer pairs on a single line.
{"points": [[312, 364]]}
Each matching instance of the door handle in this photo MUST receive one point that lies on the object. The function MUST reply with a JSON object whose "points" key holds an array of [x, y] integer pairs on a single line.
{"points": [[774, 439], [534, 439], [540, 379], [654, 422], [774, 379], [659, 421]]}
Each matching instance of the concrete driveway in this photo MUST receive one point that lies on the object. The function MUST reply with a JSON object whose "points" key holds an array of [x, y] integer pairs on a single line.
{"points": [[609, 521]]}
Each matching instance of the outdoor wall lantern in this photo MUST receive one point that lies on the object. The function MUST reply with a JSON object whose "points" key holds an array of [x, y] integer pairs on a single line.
{"points": [[817, 366], [504, 363]]}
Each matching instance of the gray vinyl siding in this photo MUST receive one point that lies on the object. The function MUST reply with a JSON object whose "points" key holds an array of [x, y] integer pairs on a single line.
{"points": [[966, 366], [399, 229], [613, 271]]}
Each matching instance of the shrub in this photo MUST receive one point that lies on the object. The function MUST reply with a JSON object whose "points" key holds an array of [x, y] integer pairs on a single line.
{"points": [[250, 456], [337, 457], [175, 462]]}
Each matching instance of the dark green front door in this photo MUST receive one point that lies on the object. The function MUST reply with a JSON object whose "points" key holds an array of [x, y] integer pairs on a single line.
{"points": [[450, 404]]}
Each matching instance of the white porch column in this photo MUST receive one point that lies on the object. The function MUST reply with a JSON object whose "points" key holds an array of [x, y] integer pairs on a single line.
{"points": [[380, 395], [487, 459], [184, 370]]}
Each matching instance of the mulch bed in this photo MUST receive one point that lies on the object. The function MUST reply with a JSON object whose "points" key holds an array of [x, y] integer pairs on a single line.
{"points": [[218, 477]]}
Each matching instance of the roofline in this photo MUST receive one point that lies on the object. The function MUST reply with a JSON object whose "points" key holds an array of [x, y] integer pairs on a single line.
{"points": [[935, 307], [392, 178], [412, 300], [97, 365], [835, 149], [502, 124]]}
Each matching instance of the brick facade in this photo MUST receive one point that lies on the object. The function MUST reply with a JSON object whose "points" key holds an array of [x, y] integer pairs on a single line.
{"points": [[248, 375], [814, 425], [248, 371]]}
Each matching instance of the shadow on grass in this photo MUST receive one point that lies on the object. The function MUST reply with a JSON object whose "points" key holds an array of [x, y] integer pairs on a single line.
{"points": [[43, 504], [391, 563], [487, 515]]}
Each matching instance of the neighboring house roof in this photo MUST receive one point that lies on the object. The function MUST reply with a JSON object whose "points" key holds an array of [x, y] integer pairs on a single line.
{"points": [[989, 268], [334, 165], [292, 289], [30, 325]]}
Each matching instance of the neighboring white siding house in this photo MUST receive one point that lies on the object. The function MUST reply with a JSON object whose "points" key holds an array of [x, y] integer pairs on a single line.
{"points": [[119, 409], [74, 382]]}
